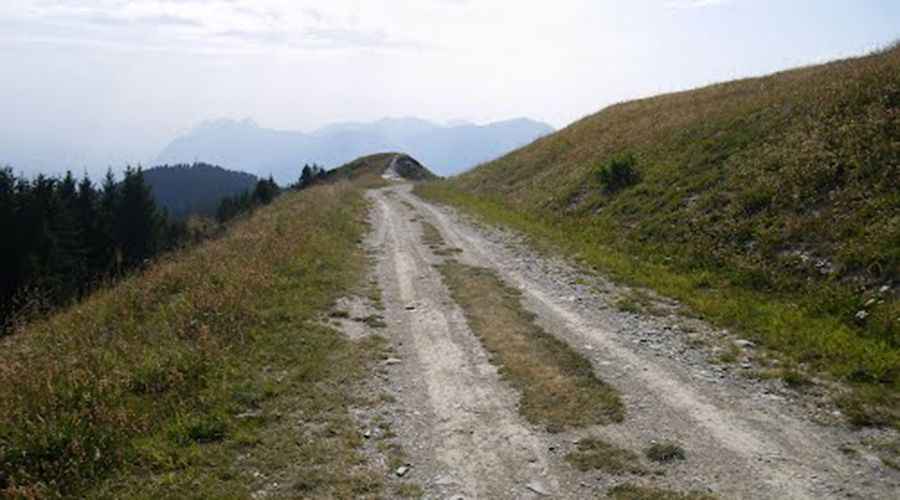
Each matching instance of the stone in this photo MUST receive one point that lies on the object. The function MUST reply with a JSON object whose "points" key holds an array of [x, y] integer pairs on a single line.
{"points": [[744, 343], [411, 306], [392, 361], [537, 487], [444, 480], [861, 315], [402, 470]]}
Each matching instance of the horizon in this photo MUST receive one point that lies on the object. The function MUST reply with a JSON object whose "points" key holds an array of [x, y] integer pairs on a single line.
{"points": [[139, 74]]}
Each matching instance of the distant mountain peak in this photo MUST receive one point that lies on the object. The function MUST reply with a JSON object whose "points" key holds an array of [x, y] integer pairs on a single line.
{"points": [[227, 123]]}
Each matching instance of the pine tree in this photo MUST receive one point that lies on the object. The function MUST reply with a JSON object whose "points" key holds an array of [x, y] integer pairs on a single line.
{"points": [[104, 246], [138, 222], [9, 271], [87, 215], [306, 176]]}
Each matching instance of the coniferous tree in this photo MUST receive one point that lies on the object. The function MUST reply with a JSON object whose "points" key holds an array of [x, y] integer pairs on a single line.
{"points": [[138, 222], [87, 214], [9, 243], [109, 255]]}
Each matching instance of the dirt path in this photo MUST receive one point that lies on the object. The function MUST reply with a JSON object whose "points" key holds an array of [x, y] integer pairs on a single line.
{"points": [[459, 421], [465, 437]]}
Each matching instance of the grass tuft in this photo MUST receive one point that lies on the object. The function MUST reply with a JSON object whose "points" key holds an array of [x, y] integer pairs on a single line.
{"points": [[595, 454], [632, 492]]}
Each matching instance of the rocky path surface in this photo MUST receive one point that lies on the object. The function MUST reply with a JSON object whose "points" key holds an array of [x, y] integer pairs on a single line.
{"points": [[458, 421]]}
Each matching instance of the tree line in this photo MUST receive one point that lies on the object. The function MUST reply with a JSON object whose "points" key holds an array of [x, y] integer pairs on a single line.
{"points": [[230, 207], [265, 191], [63, 237]]}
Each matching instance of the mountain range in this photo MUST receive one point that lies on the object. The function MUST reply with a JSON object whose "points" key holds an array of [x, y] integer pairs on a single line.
{"points": [[445, 149]]}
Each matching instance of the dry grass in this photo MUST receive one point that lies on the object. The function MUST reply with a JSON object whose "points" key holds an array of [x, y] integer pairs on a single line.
{"points": [[665, 452], [558, 386], [154, 386], [632, 492], [432, 238], [595, 454], [767, 205]]}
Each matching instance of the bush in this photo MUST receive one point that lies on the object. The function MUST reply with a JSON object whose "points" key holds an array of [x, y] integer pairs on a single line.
{"points": [[619, 173], [665, 452]]}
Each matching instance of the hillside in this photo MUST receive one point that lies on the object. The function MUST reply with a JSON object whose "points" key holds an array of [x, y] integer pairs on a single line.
{"points": [[195, 189], [448, 149], [387, 165], [771, 205]]}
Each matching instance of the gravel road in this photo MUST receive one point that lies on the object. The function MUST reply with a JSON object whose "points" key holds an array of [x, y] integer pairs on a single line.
{"points": [[458, 421]]}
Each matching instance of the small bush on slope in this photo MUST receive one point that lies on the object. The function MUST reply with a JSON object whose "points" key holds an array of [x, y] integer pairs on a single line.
{"points": [[618, 174]]}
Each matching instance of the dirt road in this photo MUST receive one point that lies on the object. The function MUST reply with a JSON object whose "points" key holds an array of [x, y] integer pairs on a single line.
{"points": [[458, 420]]}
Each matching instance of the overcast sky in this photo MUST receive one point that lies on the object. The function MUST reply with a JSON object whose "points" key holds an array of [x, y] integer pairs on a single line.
{"points": [[117, 79]]}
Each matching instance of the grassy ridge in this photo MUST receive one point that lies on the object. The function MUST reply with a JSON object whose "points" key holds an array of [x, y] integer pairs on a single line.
{"points": [[152, 387], [770, 205]]}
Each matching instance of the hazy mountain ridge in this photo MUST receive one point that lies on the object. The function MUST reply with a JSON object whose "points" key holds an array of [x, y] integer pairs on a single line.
{"points": [[244, 145]]}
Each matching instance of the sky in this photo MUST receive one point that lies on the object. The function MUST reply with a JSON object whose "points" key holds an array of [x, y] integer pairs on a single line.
{"points": [[105, 82]]}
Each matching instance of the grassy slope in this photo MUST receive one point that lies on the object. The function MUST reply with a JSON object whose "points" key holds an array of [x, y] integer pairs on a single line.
{"points": [[770, 205], [153, 387]]}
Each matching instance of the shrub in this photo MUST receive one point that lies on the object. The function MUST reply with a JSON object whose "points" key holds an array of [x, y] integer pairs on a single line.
{"points": [[619, 173], [665, 452]]}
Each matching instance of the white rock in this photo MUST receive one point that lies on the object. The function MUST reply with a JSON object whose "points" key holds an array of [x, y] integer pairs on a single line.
{"points": [[537, 487], [744, 343], [402, 470]]}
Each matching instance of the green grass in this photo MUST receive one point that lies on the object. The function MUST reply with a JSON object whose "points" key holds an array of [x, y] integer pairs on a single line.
{"points": [[558, 387], [154, 387], [768, 206]]}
